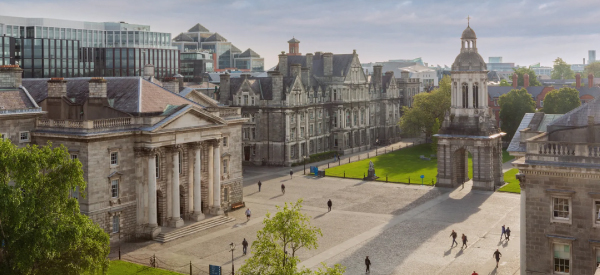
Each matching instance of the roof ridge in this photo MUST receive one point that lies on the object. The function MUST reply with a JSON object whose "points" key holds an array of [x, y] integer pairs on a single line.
{"points": [[174, 93]]}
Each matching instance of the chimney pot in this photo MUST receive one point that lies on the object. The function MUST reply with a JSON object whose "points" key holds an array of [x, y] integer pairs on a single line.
{"points": [[11, 76], [525, 80], [515, 80], [57, 87]]}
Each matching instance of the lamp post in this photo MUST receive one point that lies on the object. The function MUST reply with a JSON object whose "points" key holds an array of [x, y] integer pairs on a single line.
{"points": [[232, 247], [304, 164]]}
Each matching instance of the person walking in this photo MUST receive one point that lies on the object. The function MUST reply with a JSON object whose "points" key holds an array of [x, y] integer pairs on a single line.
{"points": [[464, 240], [508, 233], [259, 185], [291, 173], [248, 213], [282, 188], [503, 232], [453, 235], [497, 255], [474, 273], [368, 264], [245, 246], [329, 204]]}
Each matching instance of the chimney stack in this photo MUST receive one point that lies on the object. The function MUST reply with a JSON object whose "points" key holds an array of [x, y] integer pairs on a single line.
{"points": [[377, 77], [148, 70], [11, 76], [515, 80], [309, 62], [276, 86], [328, 64], [578, 80], [57, 87], [525, 80], [405, 75], [590, 80], [171, 84], [97, 86], [245, 76], [283, 66], [224, 88], [305, 76]]}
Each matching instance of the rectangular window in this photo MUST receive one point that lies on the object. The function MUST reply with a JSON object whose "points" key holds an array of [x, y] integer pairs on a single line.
{"points": [[157, 162], [253, 133], [560, 208], [562, 257], [311, 131], [116, 224], [226, 194], [24, 137], [253, 103], [251, 117], [114, 158], [292, 133], [319, 128], [224, 141], [114, 188], [293, 151], [597, 257], [541, 103], [301, 132], [74, 156], [597, 212], [225, 166], [245, 99], [3, 136]]}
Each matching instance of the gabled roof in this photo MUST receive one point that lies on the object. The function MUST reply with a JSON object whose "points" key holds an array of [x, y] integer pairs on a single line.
{"points": [[249, 53], [216, 38], [341, 63], [182, 37], [235, 49], [15, 99], [198, 28]]}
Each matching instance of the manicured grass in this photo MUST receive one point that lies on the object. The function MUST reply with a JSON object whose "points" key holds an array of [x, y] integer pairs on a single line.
{"points": [[398, 166], [513, 183], [121, 267], [506, 157]]}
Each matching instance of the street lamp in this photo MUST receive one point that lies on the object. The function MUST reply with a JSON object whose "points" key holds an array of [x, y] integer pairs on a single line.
{"points": [[232, 247], [304, 164]]}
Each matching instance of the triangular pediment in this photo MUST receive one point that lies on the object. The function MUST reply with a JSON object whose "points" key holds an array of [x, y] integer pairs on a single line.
{"points": [[191, 118], [201, 99]]}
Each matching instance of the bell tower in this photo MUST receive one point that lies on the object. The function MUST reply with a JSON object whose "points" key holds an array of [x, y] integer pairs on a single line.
{"points": [[469, 126], [294, 47]]}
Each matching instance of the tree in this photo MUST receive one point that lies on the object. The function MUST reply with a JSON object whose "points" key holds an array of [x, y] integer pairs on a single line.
{"points": [[426, 108], [274, 251], [513, 107], [562, 70], [593, 68], [533, 80], [503, 82], [561, 101], [41, 227]]}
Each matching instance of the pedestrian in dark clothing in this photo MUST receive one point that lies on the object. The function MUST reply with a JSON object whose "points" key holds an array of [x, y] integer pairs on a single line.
{"points": [[329, 204], [464, 240], [282, 188], [368, 264], [245, 245], [291, 173], [453, 235], [503, 232], [508, 233], [497, 255], [259, 185]]}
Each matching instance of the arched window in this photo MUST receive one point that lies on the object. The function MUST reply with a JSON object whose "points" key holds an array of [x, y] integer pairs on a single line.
{"points": [[475, 96], [465, 95]]}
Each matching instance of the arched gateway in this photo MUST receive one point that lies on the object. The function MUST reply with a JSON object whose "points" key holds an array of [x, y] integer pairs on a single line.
{"points": [[470, 126]]}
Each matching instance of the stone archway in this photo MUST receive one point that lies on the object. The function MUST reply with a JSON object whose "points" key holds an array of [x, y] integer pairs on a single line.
{"points": [[460, 165]]}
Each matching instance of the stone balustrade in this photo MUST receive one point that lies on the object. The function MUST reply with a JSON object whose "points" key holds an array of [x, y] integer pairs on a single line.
{"points": [[20, 111], [112, 122], [557, 151], [86, 124]]}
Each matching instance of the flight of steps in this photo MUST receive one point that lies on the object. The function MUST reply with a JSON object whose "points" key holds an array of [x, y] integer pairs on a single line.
{"points": [[193, 228]]}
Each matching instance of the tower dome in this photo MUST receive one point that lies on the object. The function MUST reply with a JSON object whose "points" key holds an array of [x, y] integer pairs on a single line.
{"points": [[468, 33], [469, 59]]}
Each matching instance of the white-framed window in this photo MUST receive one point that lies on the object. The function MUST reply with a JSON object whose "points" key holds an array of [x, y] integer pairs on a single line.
{"points": [[301, 131], [3, 136], [293, 151], [562, 258], [225, 141], [157, 164], [225, 166], [541, 103], [302, 117], [245, 99], [596, 213], [561, 209], [24, 136], [114, 158], [114, 188], [74, 156], [311, 130], [116, 226]]}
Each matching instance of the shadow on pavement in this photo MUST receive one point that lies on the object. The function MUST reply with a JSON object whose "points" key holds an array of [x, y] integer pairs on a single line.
{"points": [[276, 196], [316, 217], [459, 253]]}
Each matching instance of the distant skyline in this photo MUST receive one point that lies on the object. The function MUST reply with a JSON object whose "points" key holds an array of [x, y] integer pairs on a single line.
{"points": [[523, 32]]}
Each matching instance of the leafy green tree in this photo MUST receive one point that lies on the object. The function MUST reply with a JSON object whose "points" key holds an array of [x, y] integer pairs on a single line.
{"points": [[426, 108], [41, 228], [503, 82], [274, 251], [533, 80], [562, 70], [561, 101], [513, 107], [593, 68]]}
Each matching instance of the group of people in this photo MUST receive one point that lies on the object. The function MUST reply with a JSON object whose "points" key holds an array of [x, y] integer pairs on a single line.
{"points": [[505, 234]]}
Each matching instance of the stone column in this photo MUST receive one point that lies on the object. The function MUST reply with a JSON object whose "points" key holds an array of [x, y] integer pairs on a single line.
{"points": [[523, 227], [154, 230], [210, 175], [217, 210], [198, 215], [176, 220]]}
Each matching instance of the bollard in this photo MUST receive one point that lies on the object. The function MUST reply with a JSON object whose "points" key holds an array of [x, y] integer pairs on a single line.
{"points": [[328, 165], [119, 253]]}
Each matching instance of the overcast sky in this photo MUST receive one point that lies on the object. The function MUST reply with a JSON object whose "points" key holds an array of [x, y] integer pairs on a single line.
{"points": [[524, 32]]}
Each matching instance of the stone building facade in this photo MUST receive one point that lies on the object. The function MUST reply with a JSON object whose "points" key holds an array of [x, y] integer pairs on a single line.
{"points": [[151, 157], [559, 176], [315, 103], [470, 125]]}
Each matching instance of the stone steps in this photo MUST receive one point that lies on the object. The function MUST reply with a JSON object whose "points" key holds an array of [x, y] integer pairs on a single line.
{"points": [[193, 228]]}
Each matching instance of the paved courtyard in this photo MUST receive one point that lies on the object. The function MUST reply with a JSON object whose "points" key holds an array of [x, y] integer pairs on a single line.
{"points": [[404, 229]]}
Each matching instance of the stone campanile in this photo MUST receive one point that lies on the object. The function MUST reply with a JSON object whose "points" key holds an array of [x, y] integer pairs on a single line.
{"points": [[469, 127]]}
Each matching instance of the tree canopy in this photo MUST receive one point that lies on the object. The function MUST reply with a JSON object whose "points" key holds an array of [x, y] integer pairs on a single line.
{"points": [[561, 101], [503, 82], [41, 228], [593, 68], [533, 80], [513, 107], [562, 70], [274, 251], [426, 109]]}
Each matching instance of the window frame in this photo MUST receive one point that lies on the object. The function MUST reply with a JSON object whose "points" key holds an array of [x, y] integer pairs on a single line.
{"points": [[157, 165], [116, 158], [21, 140], [225, 166], [116, 223], [225, 142], [4, 136], [112, 188], [559, 242], [74, 156], [570, 211], [595, 212]]}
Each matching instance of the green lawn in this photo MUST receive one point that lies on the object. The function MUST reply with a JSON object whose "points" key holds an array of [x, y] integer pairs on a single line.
{"points": [[398, 166], [506, 157], [513, 183], [121, 267]]}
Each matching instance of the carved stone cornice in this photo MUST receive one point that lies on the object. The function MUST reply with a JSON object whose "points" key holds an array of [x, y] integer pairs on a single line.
{"points": [[521, 178], [173, 148], [145, 151], [195, 145]]}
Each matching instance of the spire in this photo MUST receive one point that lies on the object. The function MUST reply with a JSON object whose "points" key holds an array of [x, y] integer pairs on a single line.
{"points": [[468, 20]]}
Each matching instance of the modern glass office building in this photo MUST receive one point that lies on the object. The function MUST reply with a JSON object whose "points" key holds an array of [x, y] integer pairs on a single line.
{"points": [[61, 48]]}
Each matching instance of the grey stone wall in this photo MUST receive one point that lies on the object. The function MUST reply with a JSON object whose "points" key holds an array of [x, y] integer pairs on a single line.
{"points": [[12, 127]]}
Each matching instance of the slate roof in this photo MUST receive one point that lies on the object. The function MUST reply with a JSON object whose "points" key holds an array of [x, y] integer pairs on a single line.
{"points": [[515, 144], [216, 37], [497, 91], [15, 99], [341, 63], [249, 53], [294, 40], [537, 122], [469, 61], [182, 37], [235, 49], [130, 94], [579, 116], [198, 28]]}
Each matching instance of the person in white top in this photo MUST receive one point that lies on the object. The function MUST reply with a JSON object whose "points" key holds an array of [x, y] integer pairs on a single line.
{"points": [[248, 213]]}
